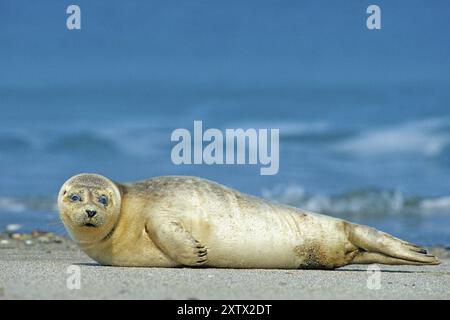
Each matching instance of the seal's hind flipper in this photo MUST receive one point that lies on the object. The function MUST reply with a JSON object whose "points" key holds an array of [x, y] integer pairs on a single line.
{"points": [[384, 248], [365, 257]]}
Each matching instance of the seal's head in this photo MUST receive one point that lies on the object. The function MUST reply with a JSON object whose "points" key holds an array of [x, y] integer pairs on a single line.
{"points": [[89, 206]]}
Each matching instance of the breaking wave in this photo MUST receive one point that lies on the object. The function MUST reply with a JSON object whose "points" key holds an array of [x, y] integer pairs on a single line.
{"points": [[364, 202], [429, 137]]}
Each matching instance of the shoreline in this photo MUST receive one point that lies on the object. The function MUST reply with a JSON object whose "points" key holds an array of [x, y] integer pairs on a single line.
{"points": [[41, 265]]}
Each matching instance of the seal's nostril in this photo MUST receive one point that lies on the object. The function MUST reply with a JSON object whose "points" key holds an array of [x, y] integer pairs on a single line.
{"points": [[91, 213]]}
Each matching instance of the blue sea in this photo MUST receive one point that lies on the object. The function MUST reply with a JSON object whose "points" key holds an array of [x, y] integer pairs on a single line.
{"points": [[364, 115]]}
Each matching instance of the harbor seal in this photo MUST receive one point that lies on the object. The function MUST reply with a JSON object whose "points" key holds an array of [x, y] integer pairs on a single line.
{"points": [[175, 221]]}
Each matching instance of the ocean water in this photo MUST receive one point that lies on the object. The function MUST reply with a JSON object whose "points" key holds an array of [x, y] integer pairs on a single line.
{"points": [[364, 116]]}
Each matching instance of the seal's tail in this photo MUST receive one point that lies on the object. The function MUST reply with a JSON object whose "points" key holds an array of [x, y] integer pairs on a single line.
{"points": [[379, 247]]}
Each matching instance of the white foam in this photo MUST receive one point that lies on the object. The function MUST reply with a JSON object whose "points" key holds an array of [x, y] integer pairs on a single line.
{"points": [[13, 227], [28, 204], [441, 203], [11, 205], [286, 127], [423, 137]]}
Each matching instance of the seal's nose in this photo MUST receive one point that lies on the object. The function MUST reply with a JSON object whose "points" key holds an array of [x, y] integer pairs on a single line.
{"points": [[91, 213]]}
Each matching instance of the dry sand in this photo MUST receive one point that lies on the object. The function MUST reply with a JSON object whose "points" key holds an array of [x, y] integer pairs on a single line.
{"points": [[41, 271]]}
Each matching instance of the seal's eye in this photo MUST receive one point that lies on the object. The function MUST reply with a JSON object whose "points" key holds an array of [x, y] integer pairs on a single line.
{"points": [[75, 198], [103, 200]]}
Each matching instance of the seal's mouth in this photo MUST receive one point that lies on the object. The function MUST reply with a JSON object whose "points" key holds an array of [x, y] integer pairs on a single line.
{"points": [[90, 225]]}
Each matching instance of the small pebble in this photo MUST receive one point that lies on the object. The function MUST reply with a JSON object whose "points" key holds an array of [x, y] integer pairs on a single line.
{"points": [[28, 242], [4, 242], [37, 233], [43, 239]]}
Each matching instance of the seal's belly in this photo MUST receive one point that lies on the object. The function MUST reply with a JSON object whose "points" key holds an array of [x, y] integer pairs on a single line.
{"points": [[277, 238]]}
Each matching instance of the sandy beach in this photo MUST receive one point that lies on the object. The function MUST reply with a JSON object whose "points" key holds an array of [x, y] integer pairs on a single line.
{"points": [[38, 268]]}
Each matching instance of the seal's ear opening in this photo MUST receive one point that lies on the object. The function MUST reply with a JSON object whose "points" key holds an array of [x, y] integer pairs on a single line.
{"points": [[63, 191]]}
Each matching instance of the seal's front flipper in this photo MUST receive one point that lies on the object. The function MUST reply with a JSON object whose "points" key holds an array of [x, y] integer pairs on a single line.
{"points": [[173, 239], [380, 247]]}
